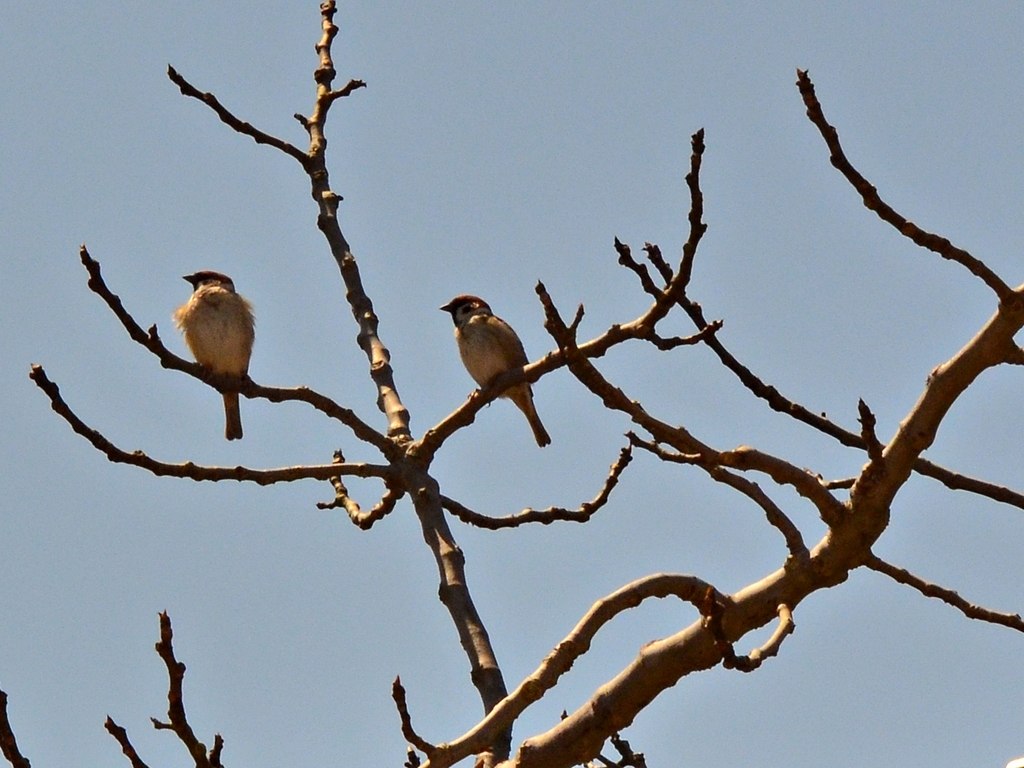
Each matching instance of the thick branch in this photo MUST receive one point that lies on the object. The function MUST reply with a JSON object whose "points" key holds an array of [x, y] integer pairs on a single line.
{"points": [[549, 515], [948, 596], [947, 382], [873, 202], [8, 743], [687, 588], [454, 594]]}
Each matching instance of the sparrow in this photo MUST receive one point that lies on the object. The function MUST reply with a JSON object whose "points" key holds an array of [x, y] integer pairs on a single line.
{"points": [[489, 347], [219, 329]]}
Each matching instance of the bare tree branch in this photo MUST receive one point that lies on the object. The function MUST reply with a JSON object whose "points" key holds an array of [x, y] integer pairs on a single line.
{"points": [[774, 514], [654, 256], [687, 588], [178, 722], [121, 735], [777, 402], [8, 743], [749, 663], [867, 431], [947, 382], [327, 201], [627, 757], [189, 469], [957, 482], [237, 125], [873, 202], [626, 259], [364, 520], [398, 694], [549, 515], [970, 610]]}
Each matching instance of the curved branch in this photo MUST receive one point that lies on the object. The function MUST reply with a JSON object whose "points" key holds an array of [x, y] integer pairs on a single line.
{"points": [[756, 657], [549, 515], [687, 588], [364, 520], [196, 471], [398, 694], [886, 213], [776, 517], [947, 382], [948, 596]]}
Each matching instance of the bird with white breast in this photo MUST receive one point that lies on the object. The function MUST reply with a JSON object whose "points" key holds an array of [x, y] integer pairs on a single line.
{"points": [[489, 347], [219, 329]]}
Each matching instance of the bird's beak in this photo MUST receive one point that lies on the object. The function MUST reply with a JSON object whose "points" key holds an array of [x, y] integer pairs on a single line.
{"points": [[447, 307]]}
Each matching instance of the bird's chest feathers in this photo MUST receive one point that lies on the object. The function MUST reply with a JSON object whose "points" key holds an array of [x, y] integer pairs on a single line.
{"points": [[219, 333], [488, 348]]}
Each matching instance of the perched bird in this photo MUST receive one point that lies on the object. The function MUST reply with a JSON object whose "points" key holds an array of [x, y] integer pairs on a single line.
{"points": [[219, 329], [489, 347]]}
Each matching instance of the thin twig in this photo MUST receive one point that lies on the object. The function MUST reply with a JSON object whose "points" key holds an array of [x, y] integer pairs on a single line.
{"points": [[398, 694], [178, 722], [872, 200], [240, 126], [867, 431], [362, 520], [970, 610], [545, 516], [713, 621], [121, 736], [626, 259], [665, 344], [654, 256]]}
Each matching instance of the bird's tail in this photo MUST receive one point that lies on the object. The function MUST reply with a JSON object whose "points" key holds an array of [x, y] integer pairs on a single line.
{"points": [[232, 417], [523, 398]]}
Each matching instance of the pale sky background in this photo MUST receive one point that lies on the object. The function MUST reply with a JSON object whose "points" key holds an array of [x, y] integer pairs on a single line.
{"points": [[497, 145]]}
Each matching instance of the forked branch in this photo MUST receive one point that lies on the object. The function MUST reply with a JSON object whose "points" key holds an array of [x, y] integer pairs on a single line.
{"points": [[177, 720]]}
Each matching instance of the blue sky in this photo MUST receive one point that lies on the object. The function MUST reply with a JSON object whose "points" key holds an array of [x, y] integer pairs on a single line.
{"points": [[496, 146]]}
